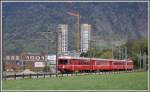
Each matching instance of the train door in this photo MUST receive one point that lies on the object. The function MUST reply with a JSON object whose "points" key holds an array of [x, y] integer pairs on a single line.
{"points": [[110, 65]]}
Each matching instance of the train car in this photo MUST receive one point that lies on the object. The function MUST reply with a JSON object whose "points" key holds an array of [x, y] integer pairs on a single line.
{"points": [[101, 64], [122, 64], [72, 64]]}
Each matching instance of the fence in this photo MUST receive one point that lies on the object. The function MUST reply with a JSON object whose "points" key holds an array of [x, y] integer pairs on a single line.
{"points": [[45, 75]]}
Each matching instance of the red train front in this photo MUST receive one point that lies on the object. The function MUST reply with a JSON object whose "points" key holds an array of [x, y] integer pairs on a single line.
{"points": [[72, 64]]}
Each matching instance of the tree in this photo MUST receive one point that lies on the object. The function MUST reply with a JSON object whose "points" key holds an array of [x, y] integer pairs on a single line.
{"points": [[106, 54], [46, 68]]}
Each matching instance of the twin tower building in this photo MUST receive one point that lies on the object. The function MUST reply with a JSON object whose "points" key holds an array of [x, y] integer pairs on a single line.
{"points": [[85, 35]]}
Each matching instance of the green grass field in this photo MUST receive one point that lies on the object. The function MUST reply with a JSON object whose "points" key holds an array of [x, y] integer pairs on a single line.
{"points": [[127, 81]]}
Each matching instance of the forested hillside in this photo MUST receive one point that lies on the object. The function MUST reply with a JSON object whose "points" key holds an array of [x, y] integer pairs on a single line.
{"points": [[112, 24]]}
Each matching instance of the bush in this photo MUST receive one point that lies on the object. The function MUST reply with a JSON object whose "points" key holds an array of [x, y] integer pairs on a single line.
{"points": [[46, 69]]}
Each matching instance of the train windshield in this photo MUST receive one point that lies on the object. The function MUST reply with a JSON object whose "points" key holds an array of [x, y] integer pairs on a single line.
{"points": [[63, 61]]}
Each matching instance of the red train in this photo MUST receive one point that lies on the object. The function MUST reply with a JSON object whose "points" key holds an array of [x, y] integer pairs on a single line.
{"points": [[72, 64]]}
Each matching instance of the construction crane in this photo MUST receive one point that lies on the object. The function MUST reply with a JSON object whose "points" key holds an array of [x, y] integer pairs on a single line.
{"points": [[77, 15]]}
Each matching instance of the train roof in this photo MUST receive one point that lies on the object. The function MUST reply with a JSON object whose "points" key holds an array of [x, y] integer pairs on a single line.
{"points": [[85, 58], [106, 59], [69, 57]]}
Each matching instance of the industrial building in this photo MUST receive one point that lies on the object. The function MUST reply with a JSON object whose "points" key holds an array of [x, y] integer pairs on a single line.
{"points": [[85, 37], [62, 38], [32, 61]]}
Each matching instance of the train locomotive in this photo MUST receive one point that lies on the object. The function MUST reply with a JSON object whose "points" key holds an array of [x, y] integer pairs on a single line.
{"points": [[80, 64]]}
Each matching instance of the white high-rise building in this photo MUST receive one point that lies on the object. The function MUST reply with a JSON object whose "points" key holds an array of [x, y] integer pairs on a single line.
{"points": [[85, 37], [62, 38]]}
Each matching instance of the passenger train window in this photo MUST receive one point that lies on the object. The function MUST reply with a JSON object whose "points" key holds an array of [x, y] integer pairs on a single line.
{"points": [[63, 61]]}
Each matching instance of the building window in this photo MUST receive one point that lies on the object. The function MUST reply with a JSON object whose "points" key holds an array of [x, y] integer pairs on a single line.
{"points": [[7, 57]]}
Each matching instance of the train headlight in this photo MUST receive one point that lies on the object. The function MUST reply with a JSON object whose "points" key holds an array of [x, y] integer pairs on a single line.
{"points": [[63, 66]]}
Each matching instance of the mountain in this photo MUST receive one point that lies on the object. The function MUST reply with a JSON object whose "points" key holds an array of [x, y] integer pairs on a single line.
{"points": [[112, 24]]}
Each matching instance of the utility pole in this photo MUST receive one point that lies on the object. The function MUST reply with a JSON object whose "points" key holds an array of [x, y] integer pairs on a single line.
{"points": [[118, 48], [112, 53], [144, 61], [119, 52], [123, 53], [56, 49], [46, 34], [126, 53], [140, 59], [126, 56], [3, 53]]}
